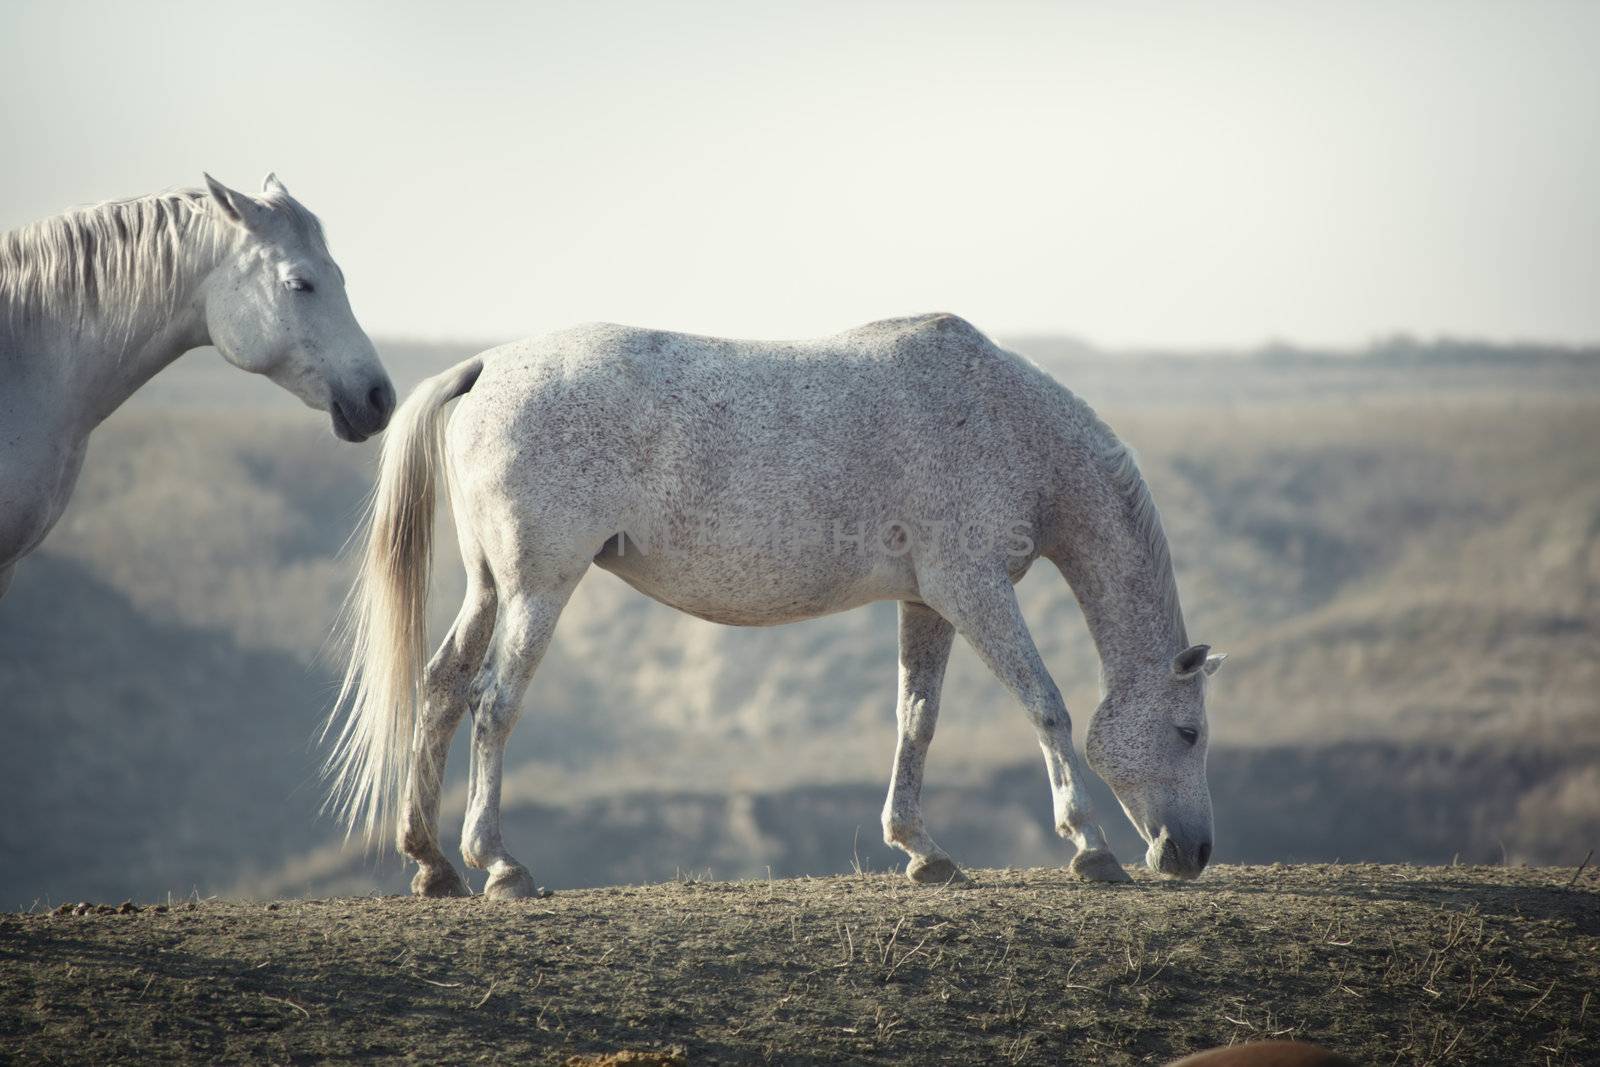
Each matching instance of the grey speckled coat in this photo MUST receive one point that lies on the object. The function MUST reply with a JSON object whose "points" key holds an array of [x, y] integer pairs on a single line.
{"points": [[756, 483]]}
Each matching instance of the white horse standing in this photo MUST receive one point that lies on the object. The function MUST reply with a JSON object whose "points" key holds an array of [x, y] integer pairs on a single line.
{"points": [[760, 483], [94, 302]]}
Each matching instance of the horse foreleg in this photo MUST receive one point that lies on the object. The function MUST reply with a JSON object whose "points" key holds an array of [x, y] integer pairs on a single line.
{"points": [[925, 640], [444, 702], [522, 634], [985, 611], [5, 577]]}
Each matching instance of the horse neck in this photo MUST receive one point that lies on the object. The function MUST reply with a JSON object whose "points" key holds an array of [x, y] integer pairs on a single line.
{"points": [[105, 354], [1117, 564]]}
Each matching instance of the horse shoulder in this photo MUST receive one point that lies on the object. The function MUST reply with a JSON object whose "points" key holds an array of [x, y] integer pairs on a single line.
{"points": [[35, 485]]}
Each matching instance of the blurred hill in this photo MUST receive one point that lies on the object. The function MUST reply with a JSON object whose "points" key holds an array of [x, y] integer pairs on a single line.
{"points": [[1400, 548]]}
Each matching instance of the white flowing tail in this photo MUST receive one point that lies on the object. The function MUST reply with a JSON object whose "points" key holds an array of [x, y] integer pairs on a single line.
{"points": [[385, 618]]}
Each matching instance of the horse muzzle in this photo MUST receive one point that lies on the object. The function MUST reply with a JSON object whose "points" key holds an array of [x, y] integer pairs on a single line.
{"points": [[358, 416], [1173, 858]]}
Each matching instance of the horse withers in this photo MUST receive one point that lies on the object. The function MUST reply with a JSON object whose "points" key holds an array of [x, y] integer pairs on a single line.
{"points": [[756, 483], [94, 302]]}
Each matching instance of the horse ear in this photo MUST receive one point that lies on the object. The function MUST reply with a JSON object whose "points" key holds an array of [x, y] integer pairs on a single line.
{"points": [[237, 208], [272, 188], [1214, 663], [1190, 661]]}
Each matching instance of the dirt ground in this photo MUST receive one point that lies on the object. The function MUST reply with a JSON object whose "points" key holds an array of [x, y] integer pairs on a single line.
{"points": [[1388, 964]]}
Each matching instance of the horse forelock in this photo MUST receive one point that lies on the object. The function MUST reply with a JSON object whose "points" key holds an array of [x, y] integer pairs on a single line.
{"points": [[300, 218]]}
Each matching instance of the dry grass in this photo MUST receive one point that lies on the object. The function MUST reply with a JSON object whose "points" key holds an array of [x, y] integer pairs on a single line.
{"points": [[1392, 965]]}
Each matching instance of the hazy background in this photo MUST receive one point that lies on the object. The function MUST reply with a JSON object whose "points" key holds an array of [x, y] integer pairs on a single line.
{"points": [[1268, 221], [1136, 173]]}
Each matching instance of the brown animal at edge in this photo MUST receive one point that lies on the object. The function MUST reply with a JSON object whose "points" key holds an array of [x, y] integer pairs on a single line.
{"points": [[1266, 1054]]}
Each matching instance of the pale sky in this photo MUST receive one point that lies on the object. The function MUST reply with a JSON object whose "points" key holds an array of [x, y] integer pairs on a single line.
{"points": [[1173, 174]]}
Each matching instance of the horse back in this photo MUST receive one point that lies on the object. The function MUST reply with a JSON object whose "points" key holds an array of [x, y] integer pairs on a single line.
{"points": [[923, 412]]}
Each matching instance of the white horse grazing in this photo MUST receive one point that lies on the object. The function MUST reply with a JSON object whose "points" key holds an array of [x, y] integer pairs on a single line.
{"points": [[755, 483], [94, 302]]}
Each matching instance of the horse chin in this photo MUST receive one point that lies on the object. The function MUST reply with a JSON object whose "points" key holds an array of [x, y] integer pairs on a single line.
{"points": [[341, 425]]}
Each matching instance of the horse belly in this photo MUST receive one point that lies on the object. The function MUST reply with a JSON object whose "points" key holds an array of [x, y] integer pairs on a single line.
{"points": [[751, 584]]}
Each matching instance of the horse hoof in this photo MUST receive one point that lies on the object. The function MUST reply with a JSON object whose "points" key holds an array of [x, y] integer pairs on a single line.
{"points": [[512, 883], [1098, 865], [940, 870], [439, 881]]}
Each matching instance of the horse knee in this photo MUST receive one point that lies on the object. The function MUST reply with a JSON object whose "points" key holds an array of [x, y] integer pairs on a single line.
{"points": [[919, 715]]}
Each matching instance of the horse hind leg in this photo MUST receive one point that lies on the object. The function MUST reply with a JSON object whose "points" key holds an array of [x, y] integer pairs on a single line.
{"points": [[522, 634], [445, 692], [925, 639]]}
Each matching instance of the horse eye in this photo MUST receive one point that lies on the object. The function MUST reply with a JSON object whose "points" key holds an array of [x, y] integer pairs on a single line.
{"points": [[1190, 736], [298, 285]]}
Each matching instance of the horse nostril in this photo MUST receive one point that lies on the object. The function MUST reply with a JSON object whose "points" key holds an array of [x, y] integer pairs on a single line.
{"points": [[381, 398], [1205, 853]]}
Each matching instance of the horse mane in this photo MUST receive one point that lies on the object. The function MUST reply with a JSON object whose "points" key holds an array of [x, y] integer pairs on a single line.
{"points": [[102, 266], [1121, 465]]}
